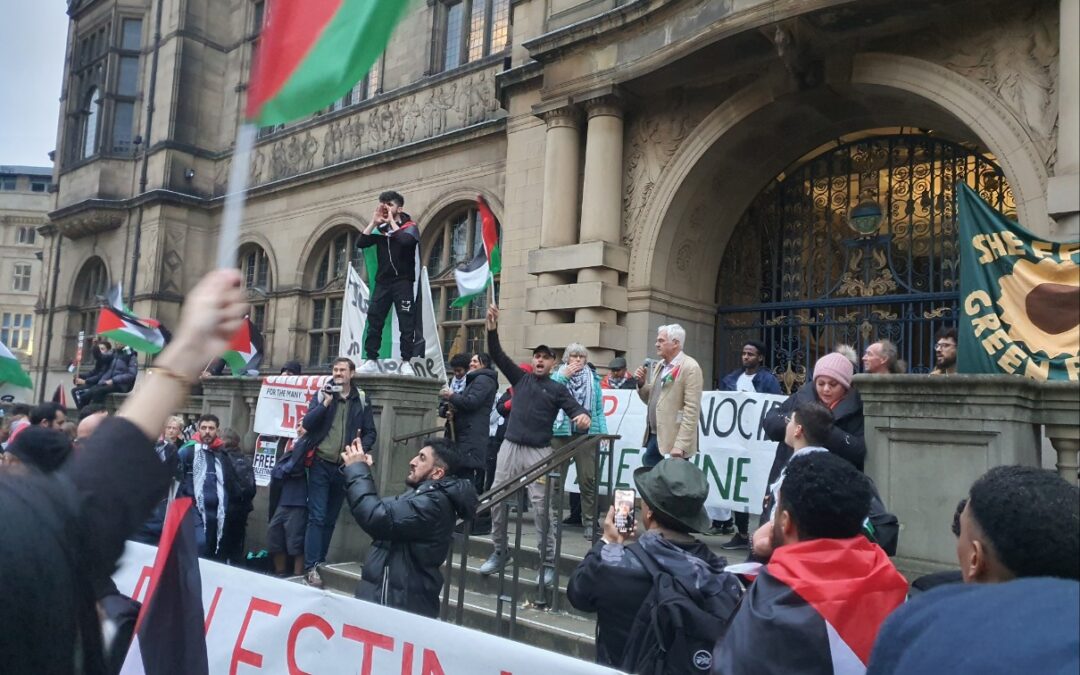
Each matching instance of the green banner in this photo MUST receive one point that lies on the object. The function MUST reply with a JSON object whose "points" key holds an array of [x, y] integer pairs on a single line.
{"points": [[1019, 297]]}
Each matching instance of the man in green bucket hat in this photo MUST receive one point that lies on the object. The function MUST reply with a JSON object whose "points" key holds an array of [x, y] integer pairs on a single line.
{"points": [[614, 580]]}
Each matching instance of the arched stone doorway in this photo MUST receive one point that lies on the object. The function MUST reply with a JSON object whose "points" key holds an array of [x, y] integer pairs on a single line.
{"points": [[856, 244], [679, 237]]}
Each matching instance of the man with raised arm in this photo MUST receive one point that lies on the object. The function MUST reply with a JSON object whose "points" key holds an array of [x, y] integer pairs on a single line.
{"points": [[537, 401]]}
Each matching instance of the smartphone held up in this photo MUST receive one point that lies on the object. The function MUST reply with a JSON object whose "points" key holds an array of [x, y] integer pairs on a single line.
{"points": [[624, 510]]}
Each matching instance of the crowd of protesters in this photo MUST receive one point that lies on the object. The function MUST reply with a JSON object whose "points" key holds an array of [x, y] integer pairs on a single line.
{"points": [[817, 592]]}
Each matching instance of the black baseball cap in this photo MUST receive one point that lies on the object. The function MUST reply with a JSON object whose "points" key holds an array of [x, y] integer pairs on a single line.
{"points": [[543, 349]]}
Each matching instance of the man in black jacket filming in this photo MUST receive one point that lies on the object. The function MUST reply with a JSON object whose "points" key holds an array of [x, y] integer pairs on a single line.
{"points": [[412, 531], [339, 414]]}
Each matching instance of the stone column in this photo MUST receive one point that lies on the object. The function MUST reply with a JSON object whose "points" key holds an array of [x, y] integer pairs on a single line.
{"points": [[558, 224], [601, 204], [1063, 193]]}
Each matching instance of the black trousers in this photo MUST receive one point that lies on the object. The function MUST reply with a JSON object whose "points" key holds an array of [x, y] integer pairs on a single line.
{"points": [[96, 393], [399, 294]]}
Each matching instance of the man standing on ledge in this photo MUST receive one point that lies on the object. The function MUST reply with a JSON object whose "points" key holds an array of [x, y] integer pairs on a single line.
{"points": [[672, 390], [396, 248], [537, 401]]}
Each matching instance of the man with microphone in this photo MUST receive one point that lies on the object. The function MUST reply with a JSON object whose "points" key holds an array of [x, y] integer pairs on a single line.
{"points": [[339, 414]]}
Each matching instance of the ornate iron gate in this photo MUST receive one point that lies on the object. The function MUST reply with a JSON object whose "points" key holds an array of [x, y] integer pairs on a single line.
{"points": [[857, 244]]}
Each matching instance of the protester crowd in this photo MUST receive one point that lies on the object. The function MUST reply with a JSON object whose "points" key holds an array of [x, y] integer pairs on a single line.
{"points": [[816, 593]]}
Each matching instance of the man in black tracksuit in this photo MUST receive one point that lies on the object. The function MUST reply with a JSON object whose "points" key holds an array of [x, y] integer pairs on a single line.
{"points": [[537, 400], [396, 247]]}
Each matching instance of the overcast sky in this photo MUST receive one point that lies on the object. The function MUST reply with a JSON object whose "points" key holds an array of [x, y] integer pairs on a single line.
{"points": [[32, 39]]}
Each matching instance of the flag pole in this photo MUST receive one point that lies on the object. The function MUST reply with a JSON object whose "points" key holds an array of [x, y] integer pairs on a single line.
{"points": [[229, 236]]}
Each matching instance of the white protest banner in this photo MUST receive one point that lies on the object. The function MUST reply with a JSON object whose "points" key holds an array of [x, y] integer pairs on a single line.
{"points": [[354, 322], [733, 451], [259, 624], [283, 401], [264, 460]]}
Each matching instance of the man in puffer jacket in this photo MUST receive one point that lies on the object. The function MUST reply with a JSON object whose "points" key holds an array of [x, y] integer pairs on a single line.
{"points": [[469, 424], [412, 531], [118, 376]]}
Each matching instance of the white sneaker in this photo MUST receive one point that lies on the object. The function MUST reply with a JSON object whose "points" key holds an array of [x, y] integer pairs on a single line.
{"points": [[406, 369], [368, 367]]}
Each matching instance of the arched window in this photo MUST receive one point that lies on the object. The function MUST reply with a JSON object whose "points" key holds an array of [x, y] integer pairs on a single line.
{"points": [[255, 268], [458, 241], [91, 284], [325, 283], [90, 122]]}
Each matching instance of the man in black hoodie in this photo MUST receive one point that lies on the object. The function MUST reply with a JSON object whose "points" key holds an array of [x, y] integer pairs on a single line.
{"points": [[412, 531], [396, 248]]}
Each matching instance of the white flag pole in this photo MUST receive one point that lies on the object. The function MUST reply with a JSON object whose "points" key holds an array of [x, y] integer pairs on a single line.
{"points": [[234, 197]]}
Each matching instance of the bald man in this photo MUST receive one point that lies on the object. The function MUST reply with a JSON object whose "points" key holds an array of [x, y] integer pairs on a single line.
{"points": [[89, 424]]}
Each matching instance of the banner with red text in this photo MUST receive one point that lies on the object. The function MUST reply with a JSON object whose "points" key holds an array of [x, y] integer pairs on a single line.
{"points": [[283, 400], [733, 452], [259, 624]]}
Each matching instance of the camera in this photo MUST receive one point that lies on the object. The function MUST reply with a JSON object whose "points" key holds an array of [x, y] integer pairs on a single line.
{"points": [[445, 409], [332, 387]]}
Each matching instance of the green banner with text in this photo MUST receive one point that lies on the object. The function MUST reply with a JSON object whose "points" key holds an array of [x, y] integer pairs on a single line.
{"points": [[1019, 297]]}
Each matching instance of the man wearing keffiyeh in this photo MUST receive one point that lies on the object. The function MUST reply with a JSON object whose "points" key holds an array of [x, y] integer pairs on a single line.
{"points": [[210, 479]]}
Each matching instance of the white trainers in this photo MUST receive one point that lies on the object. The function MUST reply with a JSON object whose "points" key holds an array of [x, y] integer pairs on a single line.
{"points": [[406, 369], [368, 367]]}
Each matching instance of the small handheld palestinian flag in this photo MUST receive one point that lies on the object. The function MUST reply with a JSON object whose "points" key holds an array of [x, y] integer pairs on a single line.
{"points": [[311, 52], [11, 371], [245, 350], [474, 277]]}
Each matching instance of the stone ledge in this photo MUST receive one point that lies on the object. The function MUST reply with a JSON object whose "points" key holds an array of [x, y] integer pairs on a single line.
{"points": [[1063, 195], [592, 335], [579, 256], [575, 296]]}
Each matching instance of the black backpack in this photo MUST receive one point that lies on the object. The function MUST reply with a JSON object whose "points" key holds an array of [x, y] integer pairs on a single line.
{"points": [[676, 628], [881, 527]]}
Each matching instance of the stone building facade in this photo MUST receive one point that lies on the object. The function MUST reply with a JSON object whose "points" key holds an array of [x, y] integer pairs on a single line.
{"points": [[644, 157], [24, 204]]}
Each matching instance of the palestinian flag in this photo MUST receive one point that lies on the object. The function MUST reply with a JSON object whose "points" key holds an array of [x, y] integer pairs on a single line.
{"points": [[311, 52], [169, 633], [142, 335], [11, 371], [245, 350], [816, 607], [474, 276]]}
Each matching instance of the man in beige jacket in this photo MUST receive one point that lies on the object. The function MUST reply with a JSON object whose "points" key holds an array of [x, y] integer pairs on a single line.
{"points": [[672, 390]]}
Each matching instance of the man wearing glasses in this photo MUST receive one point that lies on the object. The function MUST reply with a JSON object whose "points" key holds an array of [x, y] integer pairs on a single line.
{"points": [[945, 351]]}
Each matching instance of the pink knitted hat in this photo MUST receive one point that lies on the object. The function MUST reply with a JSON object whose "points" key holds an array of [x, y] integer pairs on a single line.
{"points": [[835, 366]]}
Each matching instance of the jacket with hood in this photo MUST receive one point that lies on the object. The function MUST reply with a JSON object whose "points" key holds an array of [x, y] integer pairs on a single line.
{"points": [[815, 608], [613, 583], [472, 413], [122, 370], [396, 252], [411, 534], [358, 418], [845, 439]]}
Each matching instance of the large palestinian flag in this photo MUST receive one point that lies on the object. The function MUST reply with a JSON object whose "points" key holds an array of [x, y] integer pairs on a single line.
{"points": [[311, 52], [1019, 297], [170, 633], [815, 608]]}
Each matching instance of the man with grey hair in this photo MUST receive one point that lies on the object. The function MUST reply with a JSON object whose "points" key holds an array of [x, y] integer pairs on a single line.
{"points": [[672, 390], [882, 358]]}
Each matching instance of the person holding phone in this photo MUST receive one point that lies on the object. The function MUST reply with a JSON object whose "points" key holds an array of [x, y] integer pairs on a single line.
{"points": [[613, 581], [339, 414], [395, 275]]}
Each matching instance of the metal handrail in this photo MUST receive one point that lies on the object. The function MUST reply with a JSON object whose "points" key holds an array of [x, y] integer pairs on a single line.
{"points": [[546, 596], [418, 434]]}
